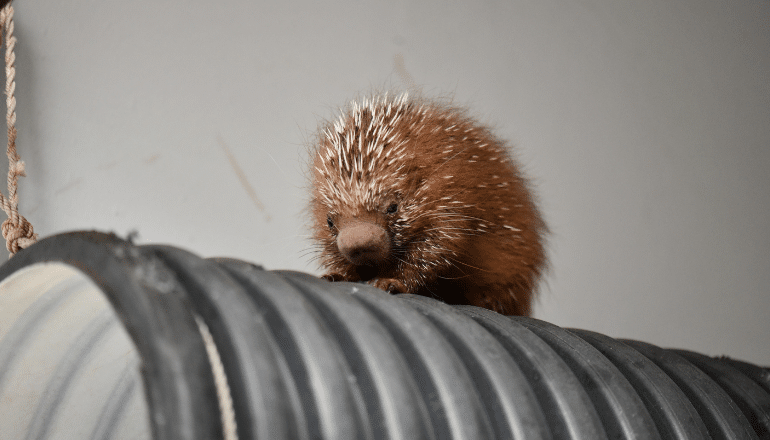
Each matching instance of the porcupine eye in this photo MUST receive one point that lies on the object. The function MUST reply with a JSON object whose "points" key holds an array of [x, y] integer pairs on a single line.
{"points": [[330, 222], [392, 209]]}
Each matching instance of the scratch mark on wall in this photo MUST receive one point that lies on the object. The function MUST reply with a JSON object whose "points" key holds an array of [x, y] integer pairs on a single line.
{"points": [[107, 166], [68, 186], [242, 178], [151, 159], [400, 67]]}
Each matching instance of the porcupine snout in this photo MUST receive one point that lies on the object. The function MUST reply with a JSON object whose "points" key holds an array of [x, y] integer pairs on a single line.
{"points": [[363, 243]]}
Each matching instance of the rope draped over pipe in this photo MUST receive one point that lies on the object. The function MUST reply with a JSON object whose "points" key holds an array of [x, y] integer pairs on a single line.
{"points": [[17, 230]]}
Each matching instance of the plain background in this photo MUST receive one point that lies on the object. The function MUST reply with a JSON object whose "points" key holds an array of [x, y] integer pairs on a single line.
{"points": [[644, 124]]}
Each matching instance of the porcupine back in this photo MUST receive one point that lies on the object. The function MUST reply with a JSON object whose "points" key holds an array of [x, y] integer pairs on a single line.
{"points": [[433, 202]]}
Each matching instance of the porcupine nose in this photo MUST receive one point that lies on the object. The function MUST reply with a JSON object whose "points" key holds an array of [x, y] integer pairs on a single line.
{"points": [[363, 243]]}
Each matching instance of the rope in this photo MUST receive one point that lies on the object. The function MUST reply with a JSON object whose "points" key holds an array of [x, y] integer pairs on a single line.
{"points": [[17, 231], [229, 427]]}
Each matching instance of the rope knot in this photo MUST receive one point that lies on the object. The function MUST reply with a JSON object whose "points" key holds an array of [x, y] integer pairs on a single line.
{"points": [[18, 235]]}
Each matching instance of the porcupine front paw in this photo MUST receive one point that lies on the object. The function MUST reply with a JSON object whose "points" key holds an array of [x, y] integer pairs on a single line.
{"points": [[390, 285]]}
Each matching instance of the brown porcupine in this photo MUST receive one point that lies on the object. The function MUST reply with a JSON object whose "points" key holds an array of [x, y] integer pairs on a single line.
{"points": [[412, 195]]}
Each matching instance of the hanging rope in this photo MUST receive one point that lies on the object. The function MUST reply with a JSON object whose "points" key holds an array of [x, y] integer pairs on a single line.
{"points": [[17, 231]]}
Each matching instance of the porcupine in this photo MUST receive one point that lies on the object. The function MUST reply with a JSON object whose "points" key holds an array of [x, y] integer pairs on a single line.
{"points": [[414, 196]]}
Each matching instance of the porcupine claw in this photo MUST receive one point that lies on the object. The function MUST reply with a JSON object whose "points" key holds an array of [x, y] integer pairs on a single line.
{"points": [[389, 285], [333, 277]]}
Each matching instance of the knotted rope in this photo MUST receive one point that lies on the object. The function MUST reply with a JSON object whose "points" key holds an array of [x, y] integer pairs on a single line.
{"points": [[17, 231]]}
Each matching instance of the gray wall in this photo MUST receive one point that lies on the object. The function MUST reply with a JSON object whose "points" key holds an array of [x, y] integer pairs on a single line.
{"points": [[645, 124]]}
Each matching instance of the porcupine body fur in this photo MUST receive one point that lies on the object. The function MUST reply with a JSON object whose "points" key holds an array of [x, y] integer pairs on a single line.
{"points": [[412, 195]]}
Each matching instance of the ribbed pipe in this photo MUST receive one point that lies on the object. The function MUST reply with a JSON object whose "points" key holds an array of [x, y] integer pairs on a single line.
{"points": [[307, 359]]}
